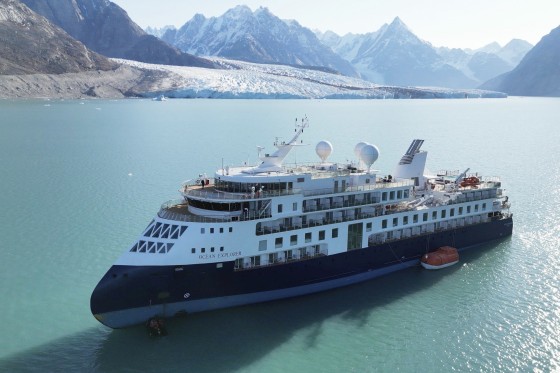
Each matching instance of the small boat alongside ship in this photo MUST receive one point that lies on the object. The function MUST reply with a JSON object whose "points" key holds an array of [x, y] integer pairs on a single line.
{"points": [[255, 233], [443, 257]]}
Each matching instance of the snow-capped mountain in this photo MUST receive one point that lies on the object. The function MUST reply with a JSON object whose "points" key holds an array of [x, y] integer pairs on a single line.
{"points": [[395, 55], [257, 36], [486, 62], [538, 73], [514, 51], [158, 32]]}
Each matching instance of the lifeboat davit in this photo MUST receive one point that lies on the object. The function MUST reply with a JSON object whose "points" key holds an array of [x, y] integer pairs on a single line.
{"points": [[443, 257]]}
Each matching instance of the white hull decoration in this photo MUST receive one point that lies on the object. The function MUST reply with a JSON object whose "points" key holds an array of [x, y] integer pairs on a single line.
{"points": [[258, 233]]}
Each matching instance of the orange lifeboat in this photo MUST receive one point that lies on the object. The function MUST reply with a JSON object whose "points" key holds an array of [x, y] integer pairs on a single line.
{"points": [[470, 181], [443, 257]]}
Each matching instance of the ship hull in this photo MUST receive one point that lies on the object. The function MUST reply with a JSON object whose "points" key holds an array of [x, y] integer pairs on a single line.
{"points": [[129, 295]]}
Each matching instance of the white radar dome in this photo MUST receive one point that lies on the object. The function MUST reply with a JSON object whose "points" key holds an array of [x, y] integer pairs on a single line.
{"points": [[323, 149], [358, 148], [369, 154]]}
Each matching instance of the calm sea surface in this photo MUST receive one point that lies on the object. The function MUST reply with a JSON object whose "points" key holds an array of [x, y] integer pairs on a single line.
{"points": [[79, 180]]}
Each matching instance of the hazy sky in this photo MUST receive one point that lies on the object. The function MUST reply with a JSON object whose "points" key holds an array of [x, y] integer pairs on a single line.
{"points": [[451, 23]]}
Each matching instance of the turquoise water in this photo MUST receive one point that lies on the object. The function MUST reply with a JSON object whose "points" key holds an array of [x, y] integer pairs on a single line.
{"points": [[79, 180]]}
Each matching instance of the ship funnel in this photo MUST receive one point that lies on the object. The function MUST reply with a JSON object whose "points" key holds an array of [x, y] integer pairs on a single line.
{"points": [[412, 164]]}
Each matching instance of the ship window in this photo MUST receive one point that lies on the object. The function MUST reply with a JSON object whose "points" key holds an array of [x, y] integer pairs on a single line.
{"points": [[134, 248], [384, 223], [384, 196], [399, 194], [405, 193], [221, 230], [415, 218], [294, 207], [483, 206], [203, 250], [160, 248], [468, 209], [221, 248], [405, 220], [425, 216], [142, 245], [367, 181], [443, 213], [368, 227], [174, 232], [230, 229], [202, 230], [308, 237], [278, 242], [211, 249], [157, 230], [219, 265], [335, 233], [262, 245], [460, 210], [434, 215], [165, 232], [293, 239], [288, 254], [452, 212], [280, 208], [211, 230], [300, 179], [193, 250], [395, 222], [392, 195], [169, 246], [321, 235], [149, 231], [476, 208]]}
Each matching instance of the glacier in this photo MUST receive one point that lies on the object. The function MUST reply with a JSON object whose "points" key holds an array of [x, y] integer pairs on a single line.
{"points": [[246, 80]]}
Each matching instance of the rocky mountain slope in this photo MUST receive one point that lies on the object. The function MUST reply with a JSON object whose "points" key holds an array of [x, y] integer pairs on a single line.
{"points": [[30, 44], [538, 73], [106, 28]]}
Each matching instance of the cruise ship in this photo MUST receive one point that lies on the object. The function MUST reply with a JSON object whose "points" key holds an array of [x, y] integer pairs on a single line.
{"points": [[256, 233]]}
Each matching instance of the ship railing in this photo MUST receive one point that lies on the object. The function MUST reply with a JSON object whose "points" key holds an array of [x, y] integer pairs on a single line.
{"points": [[178, 210], [379, 238], [279, 262], [312, 223], [358, 188], [343, 204], [209, 192], [215, 194]]}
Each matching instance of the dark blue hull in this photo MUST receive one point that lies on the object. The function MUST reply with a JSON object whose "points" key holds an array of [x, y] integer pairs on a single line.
{"points": [[129, 295]]}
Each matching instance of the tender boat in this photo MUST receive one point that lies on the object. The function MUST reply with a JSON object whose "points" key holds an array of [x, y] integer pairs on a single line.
{"points": [[443, 257]]}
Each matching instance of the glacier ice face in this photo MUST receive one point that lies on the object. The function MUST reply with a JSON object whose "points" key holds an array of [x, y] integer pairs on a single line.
{"points": [[237, 79]]}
